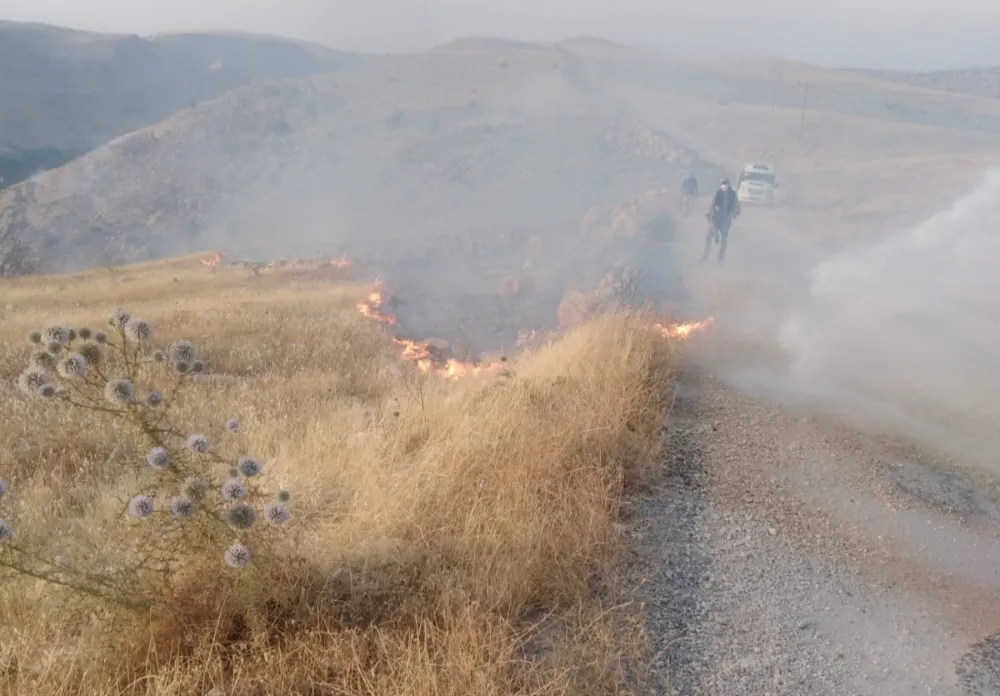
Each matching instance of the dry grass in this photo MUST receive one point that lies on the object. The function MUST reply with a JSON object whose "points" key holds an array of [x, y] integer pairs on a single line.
{"points": [[450, 538]]}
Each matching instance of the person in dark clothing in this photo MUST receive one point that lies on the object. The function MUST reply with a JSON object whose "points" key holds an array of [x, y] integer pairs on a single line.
{"points": [[689, 189], [725, 208]]}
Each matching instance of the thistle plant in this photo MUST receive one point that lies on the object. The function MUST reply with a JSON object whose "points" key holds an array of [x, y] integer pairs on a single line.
{"points": [[193, 500]]}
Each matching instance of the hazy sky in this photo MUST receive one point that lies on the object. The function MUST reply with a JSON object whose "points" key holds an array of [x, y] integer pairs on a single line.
{"points": [[918, 34]]}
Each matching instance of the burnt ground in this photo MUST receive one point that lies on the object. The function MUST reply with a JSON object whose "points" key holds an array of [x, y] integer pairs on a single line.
{"points": [[481, 293]]}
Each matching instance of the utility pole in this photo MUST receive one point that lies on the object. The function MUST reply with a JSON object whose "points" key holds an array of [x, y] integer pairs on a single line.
{"points": [[802, 118]]}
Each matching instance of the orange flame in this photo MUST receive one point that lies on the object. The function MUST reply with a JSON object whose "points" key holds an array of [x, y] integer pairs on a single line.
{"points": [[412, 350], [340, 261], [455, 369], [422, 355], [213, 261], [371, 306], [418, 352], [684, 329]]}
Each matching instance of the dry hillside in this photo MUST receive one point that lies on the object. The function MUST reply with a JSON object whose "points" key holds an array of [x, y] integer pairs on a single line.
{"points": [[67, 92], [408, 157], [405, 151]]}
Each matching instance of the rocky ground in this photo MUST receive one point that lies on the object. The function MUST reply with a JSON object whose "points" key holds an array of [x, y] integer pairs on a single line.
{"points": [[787, 553]]}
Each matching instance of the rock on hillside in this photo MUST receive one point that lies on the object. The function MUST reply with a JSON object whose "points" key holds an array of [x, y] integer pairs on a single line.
{"points": [[66, 92], [402, 152]]}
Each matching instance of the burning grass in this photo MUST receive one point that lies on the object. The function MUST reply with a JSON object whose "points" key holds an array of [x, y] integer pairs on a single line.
{"points": [[449, 538]]}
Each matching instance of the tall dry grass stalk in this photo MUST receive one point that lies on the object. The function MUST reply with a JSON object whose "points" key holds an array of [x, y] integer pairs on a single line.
{"points": [[448, 538]]}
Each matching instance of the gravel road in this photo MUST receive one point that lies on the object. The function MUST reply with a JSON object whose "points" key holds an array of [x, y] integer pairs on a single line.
{"points": [[787, 553]]}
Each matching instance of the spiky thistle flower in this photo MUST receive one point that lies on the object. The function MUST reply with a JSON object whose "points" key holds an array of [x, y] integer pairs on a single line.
{"points": [[181, 507], [241, 517], [198, 444], [197, 367], [182, 351], [154, 399], [140, 507], [249, 466], [84, 333], [119, 320], [46, 391], [158, 458], [195, 488], [119, 391], [277, 514], [92, 353], [284, 496], [54, 347], [234, 489], [35, 337], [233, 425], [57, 334], [237, 556], [138, 329], [73, 366], [42, 360], [31, 379], [159, 356], [100, 337], [181, 367], [3, 488], [6, 531]]}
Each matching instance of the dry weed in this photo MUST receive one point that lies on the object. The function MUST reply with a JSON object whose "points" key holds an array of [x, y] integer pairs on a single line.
{"points": [[449, 538]]}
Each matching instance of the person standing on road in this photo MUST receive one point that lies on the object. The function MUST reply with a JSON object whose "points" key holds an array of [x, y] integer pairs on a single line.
{"points": [[725, 209], [689, 189]]}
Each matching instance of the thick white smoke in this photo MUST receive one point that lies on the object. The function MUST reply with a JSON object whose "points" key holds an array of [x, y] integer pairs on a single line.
{"points": [[910, 329]]}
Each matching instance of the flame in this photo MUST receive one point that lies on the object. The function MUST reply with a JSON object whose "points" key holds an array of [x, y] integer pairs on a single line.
{"points": [[428, 360], [456, 369], [371, 306], [340, 261], [420, 353], [413, 350], [213, 261], [684, 329]]}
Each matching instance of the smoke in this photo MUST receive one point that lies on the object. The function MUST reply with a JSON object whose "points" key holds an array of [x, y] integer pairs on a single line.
{"points": [[907, 332]]}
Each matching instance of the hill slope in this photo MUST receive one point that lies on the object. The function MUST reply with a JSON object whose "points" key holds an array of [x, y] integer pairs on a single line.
{"points": [[409, 147], [66, 91], [979, 81], [481, 144]]}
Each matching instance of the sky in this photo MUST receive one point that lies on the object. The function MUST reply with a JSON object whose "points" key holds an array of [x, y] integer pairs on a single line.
{"points": [[888, 34]]}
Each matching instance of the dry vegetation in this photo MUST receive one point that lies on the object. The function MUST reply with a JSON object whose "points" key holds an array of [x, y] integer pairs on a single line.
{"points": [[448, 537]]}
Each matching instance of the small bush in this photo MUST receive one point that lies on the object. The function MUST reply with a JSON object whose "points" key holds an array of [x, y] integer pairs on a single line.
{"points": [[190, 500]]}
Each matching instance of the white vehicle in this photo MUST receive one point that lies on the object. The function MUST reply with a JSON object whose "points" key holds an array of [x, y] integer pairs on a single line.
{"points": [[757, 184]]}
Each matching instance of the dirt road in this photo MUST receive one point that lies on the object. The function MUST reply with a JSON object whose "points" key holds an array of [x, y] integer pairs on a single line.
{"points": [[788, 553]]}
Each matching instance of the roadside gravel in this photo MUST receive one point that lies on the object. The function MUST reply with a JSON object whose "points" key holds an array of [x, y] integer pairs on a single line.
{"points": [[786, 554]]}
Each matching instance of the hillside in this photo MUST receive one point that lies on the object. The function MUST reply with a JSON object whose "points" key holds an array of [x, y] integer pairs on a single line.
{"points": [[66, 91], [469, 150], [983, 82], [414, 147]]}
